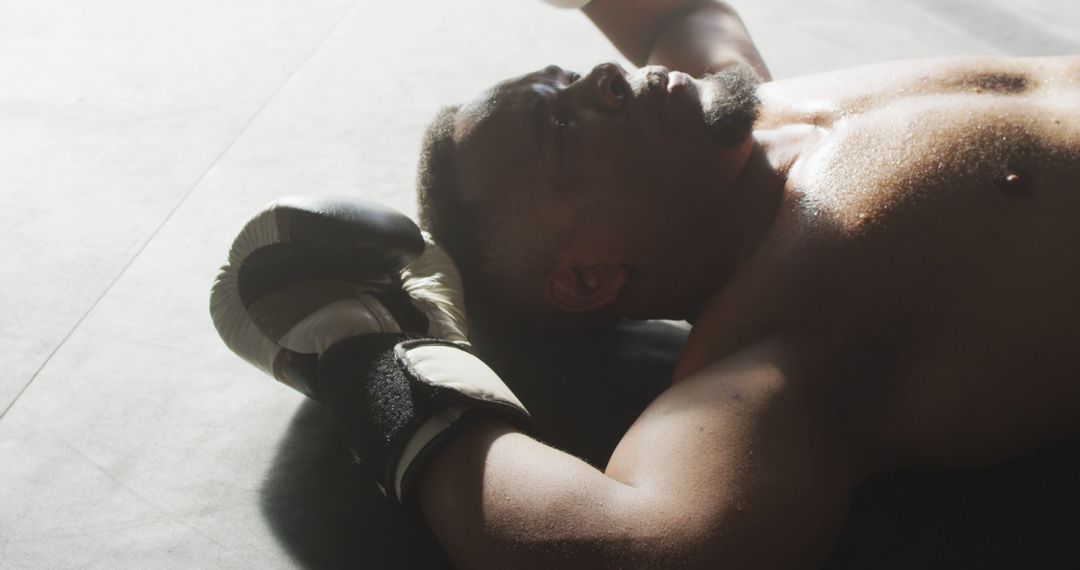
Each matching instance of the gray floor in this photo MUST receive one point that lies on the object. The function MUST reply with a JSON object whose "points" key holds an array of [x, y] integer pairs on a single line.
{"points": [[136, 136]]}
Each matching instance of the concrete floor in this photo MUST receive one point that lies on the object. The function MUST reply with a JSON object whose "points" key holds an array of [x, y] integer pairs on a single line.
{"points": [[136, 137]]}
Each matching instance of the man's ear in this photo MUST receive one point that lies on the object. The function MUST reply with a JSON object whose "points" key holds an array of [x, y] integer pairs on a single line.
{"points": [[586, 286]]}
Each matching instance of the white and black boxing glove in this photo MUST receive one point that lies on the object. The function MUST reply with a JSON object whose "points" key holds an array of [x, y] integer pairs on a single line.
{"points": [[349, 303]]}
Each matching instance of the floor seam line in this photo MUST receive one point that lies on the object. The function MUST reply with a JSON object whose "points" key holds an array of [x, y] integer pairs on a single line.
{"points": [[202, 177]]}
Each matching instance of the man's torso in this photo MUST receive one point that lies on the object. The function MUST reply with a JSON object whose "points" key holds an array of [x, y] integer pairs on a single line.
{"points": [[925, 261]]}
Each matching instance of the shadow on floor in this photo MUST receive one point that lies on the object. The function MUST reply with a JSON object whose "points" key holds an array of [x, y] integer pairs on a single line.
{"points": [[327, 514], [586, 392]]}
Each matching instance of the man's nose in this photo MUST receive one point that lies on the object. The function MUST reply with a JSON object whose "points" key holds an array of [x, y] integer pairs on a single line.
{"points": [[605, 87]]}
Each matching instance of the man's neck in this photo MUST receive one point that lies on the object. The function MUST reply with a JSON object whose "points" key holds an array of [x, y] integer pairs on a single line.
{"points": [[751, 207]]}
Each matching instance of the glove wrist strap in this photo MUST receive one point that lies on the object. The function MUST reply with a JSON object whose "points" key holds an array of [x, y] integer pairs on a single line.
{"points": [[399, 399]]}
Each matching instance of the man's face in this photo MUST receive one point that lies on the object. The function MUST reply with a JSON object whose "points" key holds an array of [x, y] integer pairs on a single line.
{"points": [[609, 157]]}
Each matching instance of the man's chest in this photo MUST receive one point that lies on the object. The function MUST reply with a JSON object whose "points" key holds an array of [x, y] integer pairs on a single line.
{"points": [[930, 265]]}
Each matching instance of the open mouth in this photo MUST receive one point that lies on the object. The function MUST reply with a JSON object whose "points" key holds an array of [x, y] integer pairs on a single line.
{"points": [[657, 77], [651, 86], [670, 94], [677, 80]]}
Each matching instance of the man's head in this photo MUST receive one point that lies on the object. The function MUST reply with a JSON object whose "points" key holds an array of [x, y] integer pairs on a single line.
{"points": [[566, 195]]}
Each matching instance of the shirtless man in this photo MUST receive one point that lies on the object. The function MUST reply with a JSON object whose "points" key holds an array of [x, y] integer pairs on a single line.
{"points": [[880, 265]]}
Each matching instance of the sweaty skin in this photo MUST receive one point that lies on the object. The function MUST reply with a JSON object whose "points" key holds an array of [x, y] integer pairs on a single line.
{"points": [[908, 298], [927, 242]]}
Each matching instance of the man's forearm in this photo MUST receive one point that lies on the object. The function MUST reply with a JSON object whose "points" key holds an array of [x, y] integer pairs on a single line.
{"points": [[693, 36], [708, 39]]}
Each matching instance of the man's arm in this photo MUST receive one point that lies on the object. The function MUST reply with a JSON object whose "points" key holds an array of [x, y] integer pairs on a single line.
{"points": [[693, 36], [733, 467]]}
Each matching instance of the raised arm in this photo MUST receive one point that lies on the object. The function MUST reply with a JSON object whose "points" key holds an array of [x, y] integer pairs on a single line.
{"points": [[694, 36], [733, 467]]}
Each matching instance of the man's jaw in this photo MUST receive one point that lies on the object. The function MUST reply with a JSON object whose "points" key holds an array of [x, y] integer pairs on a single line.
{"points": [[729, 104]]}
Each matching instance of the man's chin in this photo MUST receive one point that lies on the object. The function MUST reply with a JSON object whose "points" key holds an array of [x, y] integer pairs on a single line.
{"points": [[729, 104]]}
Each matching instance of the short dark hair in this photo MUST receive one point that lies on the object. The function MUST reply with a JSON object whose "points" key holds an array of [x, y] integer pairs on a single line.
{"points": [[469, 229], [456, 222], [438, 194]]}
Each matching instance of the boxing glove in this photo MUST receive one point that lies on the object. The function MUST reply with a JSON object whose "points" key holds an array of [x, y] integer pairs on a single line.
{"points": [[310, 270], [349, 303]]}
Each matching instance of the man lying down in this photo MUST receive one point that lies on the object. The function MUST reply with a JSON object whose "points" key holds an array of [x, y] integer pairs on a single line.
{"points": [[880, 265]]}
